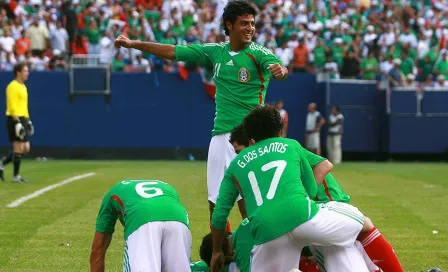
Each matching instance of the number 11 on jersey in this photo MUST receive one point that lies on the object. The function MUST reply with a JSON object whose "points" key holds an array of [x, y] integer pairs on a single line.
{"points": [[216, 70], [279, 166]]}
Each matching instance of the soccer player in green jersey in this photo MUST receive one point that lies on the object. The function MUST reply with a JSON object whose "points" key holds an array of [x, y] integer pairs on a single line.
{"points": [[330, 190], [242, 72], [156, 227], [236, 248], [270, 175]]}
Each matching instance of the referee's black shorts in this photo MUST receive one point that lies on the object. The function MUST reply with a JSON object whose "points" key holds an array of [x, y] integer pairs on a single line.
{"points": [[10, 126]]}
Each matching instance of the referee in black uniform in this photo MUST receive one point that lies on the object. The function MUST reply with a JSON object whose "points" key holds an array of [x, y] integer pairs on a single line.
{"points": [[18, 121]]}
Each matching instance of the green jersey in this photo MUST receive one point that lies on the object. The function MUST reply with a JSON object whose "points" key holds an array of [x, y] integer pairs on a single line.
{"points": [[201, 266], [367, 65], [241, 78], [329, 189], [268, 177], [137, 202], [242, 243]]}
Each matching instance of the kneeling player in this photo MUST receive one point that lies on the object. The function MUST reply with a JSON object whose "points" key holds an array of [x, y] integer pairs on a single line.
{"points": [[284, 219], [236, 247], [156, 227], [372, 242]]}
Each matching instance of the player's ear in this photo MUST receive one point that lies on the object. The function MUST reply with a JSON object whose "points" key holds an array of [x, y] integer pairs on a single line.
{"points": [[229, 25], [251, 142]]}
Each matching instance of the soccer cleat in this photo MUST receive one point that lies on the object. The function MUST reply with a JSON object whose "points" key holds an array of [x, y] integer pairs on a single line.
{"points": [[18, 179], [435, 270], [1, 174]]}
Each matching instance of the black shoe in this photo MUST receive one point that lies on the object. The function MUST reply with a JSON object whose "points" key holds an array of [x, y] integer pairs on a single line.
{"points": [[1, 175], [18, 179]]}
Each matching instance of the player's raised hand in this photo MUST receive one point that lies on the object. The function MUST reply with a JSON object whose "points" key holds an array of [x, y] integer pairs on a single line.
{"points": [[277, 70], [217, 262], [123, 41]]}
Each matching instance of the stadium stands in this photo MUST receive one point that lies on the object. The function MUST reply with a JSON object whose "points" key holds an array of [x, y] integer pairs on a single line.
{"points": [[298, 31]]}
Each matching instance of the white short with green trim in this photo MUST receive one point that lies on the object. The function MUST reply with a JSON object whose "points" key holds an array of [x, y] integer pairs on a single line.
{"points": [[336, 224], [343, 259], [158, 246], [220, 154]]}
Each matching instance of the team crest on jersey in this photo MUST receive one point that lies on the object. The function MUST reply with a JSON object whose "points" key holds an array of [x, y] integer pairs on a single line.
{"points": [[243, 74]]}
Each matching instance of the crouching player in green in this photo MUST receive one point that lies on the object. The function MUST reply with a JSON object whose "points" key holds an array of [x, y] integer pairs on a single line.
{"points": [[236, 248], [283, 218], [156, 227], [371, 243]]}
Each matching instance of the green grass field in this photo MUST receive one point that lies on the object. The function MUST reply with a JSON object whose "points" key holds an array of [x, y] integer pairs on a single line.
{"points": [[407, 202]]}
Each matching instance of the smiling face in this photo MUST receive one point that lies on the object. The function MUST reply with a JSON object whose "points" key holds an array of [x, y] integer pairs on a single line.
{"points": [[243, 30]]}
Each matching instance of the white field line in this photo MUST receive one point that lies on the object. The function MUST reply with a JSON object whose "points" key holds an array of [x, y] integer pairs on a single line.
{"points": [[46, 189]]}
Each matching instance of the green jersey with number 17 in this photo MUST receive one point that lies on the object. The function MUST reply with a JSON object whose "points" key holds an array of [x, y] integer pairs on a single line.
{"points": [[137, 202], [268, 176], [241, 78]]}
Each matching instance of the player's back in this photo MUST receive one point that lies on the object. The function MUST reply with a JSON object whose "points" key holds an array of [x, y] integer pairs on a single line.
{"points": [[269, 177], [138, 202], [330, 190]]}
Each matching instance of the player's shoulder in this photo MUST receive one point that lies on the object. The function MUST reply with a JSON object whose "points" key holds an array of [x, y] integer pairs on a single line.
{"points": [[259, 49], [12, 84], [286, 140], [215, 45]]}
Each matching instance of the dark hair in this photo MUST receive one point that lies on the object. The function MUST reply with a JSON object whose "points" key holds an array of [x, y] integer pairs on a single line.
{"points": [[236, 8], [239, 135], [263, 123], [206, 248], [336, 107], [18, 68]]}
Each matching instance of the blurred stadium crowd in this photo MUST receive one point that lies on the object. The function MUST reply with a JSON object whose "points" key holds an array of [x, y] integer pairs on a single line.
{"points": [[405, 40]]}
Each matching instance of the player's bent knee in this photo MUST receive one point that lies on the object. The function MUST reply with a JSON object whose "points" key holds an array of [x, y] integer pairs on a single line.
{"points": [[26, 147], [368, 225]]}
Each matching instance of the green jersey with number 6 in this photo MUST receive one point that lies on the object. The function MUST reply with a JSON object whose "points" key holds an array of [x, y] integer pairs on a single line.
{"points": [[137, 202], [241, 78], [268, 176]]}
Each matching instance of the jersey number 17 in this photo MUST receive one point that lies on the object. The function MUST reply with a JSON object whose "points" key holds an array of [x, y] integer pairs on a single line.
{"points": [[279, 166]]}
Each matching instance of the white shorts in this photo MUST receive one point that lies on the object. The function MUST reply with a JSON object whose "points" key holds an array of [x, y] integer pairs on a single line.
{"points": [[220, 155], [343, 259], [158, 246], [336, 224], [312, 140]]}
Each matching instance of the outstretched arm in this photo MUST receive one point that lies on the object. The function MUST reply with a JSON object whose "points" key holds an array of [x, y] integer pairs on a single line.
{"points": [[165, 51]]}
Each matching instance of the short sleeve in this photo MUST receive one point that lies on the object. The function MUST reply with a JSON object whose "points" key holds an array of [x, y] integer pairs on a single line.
{"points": [[267, 57], [200, 53], [312, 158], [107, 216]]}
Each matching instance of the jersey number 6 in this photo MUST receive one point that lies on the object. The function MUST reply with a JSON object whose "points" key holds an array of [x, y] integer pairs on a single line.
{"points": [[148, 192], [279, 168]]}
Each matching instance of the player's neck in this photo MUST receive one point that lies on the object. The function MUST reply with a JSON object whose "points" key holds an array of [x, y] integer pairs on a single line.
{"points": [[235, 46], [20, 81]]}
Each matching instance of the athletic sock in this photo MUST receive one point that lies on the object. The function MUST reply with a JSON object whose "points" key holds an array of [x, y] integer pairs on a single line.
{"points": [[17, 160], [228, 227], [381, 252], [7, 159]]}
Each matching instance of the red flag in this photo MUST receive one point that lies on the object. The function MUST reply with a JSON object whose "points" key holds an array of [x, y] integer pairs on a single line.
{"points": [[207, 79], [183, 72]]}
